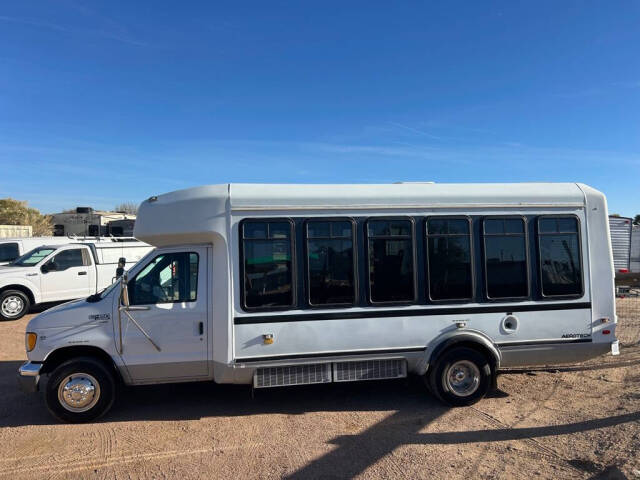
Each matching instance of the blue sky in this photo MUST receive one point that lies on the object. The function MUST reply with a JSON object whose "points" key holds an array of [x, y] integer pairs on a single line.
{"points": [[103, 102]]}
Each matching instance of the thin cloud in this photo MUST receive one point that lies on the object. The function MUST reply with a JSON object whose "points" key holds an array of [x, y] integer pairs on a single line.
{"points": [[635, 84], [596, 91], [587, 92], [415, 130], [122, 37], [34, 23]]}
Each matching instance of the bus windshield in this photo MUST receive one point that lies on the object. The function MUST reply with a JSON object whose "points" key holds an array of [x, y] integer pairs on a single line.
{"points": [[32, 257]]}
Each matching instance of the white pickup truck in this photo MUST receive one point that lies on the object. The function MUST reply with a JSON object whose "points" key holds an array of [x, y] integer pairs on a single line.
{"points": [[12, 248], [55, 273]]}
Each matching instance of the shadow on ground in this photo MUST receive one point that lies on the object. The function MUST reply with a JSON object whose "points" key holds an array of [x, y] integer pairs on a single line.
{"points": [[414, 409]]}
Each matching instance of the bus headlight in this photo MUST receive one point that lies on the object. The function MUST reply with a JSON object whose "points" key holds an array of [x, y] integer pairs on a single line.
{"points": [[30, 341]]}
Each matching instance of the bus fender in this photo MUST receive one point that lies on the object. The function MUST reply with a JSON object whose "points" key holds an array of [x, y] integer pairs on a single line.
{"points": [[473, 338]]}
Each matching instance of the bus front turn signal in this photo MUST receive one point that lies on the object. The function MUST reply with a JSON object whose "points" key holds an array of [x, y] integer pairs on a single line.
{"points": [[31, 339]]}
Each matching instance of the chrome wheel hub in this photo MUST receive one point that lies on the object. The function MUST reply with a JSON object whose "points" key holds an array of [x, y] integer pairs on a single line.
{"points": [[78, 392], [12, 306], [462, 378]]}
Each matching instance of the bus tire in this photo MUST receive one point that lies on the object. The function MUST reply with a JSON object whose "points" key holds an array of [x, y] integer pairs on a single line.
{"points": [[80, 390], [461, 376], [14, 304]]}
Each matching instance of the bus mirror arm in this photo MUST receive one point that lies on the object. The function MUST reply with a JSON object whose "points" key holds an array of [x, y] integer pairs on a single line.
{"points": [[124, 290], [146, 335], [126, 307], [124, 301]]}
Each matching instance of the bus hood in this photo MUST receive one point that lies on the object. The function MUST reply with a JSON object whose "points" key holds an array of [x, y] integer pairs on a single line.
{"points": [[76, 323], [73, 314]]}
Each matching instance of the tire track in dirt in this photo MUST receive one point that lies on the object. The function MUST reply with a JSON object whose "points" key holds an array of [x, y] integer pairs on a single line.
{"points": [[558, 459], [70, 466], [584, 465], [543, 452], [622, 444]]}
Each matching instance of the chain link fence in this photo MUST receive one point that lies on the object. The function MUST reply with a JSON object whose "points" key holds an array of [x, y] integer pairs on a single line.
{"points": [[628, 312]]}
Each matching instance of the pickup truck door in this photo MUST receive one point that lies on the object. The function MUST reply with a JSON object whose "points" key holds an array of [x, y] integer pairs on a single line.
{"points": [[169, 299], [68, 274]]}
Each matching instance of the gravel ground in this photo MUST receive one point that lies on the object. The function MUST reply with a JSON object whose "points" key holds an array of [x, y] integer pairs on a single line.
{"points": [[575, 422]]}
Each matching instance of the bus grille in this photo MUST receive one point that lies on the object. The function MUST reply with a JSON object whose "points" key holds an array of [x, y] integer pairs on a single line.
{"points": [[292, 375], [369, 370]]}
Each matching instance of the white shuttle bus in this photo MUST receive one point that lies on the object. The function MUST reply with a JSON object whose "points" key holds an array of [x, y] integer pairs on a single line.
{"points": [[275, 285]]}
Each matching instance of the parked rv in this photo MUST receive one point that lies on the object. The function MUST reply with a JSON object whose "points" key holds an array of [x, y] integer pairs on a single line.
{"points": [[90, 222], [54, 273], [273, 285], [12, 248]]}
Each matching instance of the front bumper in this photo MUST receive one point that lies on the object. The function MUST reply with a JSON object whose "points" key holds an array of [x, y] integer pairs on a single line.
{"points": [[29, 377]]}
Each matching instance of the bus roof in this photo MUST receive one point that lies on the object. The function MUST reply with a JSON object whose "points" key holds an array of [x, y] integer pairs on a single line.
{"points": [[191, 215]]}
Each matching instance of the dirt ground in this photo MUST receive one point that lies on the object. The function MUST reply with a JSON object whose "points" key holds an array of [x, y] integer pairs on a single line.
{"points": [[575, 422]]}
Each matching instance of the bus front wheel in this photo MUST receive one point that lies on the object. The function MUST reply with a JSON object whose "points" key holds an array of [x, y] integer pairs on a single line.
{"points": [[80, 390]]}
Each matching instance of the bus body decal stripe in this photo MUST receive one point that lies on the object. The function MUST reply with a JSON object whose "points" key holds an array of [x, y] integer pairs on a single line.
{"points": [[426, 312]]}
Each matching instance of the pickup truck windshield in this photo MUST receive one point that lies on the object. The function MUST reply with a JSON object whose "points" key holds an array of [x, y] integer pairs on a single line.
{"points": [[33, 257]]}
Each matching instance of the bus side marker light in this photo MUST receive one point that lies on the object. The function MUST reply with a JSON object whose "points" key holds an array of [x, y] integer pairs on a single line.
{"points": [[267, 338]]}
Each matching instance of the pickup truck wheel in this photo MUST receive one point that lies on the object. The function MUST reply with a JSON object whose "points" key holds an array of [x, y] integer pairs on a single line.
{"points": [[461, 376], [14, 304], [80, 390]]}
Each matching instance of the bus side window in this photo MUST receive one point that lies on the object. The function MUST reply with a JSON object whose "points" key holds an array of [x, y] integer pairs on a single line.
{"points": [[267, 266], [449, 258], [391, 260], [505, 257], [560, 259], [330, 262]]}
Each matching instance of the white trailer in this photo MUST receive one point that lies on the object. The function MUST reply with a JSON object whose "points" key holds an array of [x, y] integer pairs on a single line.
{"points": [[86, 221], [634, 259], [59, 272], [620, 232], [273, 285], [12, 231]]}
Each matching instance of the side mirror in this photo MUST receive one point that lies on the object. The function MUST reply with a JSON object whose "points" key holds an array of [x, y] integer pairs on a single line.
{"points": [[124, 289], [49, 267], [120, 270]]}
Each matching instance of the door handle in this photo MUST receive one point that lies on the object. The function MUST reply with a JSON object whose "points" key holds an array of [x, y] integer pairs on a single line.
{"points": [[201, 328], [136, 308], [82, 273]]}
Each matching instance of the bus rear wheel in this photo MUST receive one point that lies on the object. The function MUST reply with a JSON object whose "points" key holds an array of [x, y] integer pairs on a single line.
{"points": [[461, 376]]}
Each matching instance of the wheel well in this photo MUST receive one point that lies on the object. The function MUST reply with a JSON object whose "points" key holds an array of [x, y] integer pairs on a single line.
{"points": [[474, 345], [22, 289], [57, 357]]}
